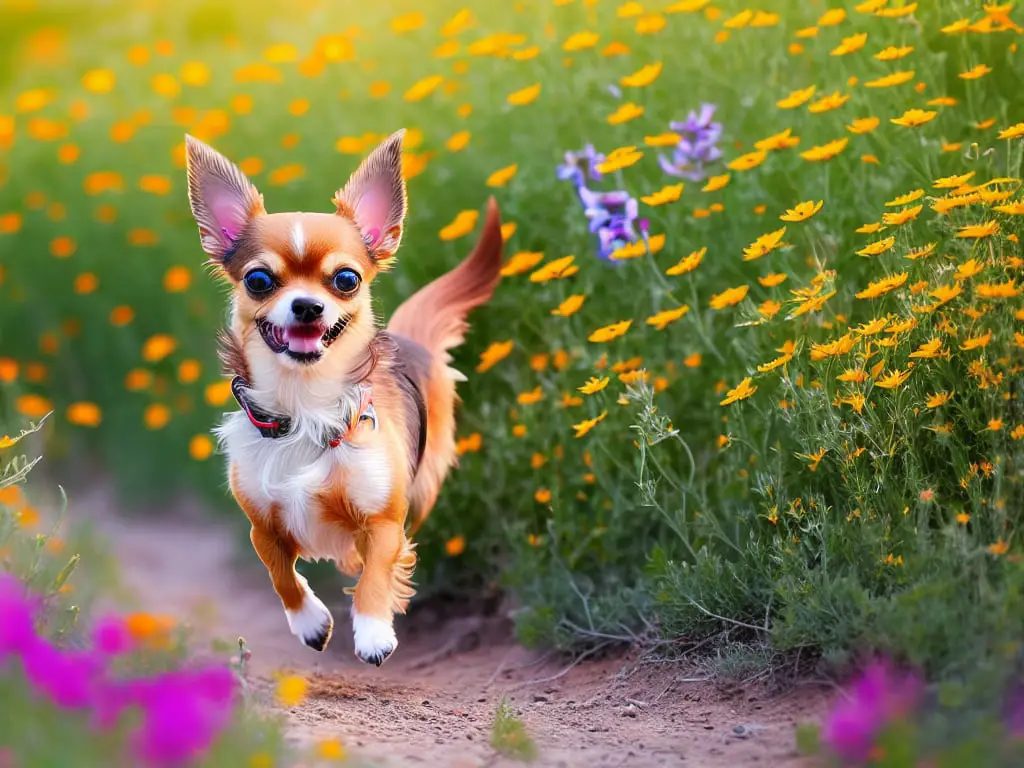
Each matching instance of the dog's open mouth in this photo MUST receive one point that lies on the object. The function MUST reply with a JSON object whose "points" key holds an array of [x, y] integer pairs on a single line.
{"points": [[304, 342]]}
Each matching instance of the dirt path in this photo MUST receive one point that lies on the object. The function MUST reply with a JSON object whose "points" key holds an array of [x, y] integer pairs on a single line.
{"points": [[433, 702]]}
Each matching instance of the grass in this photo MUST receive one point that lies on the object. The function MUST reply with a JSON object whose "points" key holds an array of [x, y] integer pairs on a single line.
{"points": [[821, 453], [509, 736]]}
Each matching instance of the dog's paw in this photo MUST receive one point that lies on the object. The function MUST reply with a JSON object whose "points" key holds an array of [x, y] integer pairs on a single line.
{"points": [[374, 639], [312, 623]]}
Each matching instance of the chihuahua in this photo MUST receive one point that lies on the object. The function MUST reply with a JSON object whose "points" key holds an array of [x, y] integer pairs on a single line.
{"points": [[345, 431]]}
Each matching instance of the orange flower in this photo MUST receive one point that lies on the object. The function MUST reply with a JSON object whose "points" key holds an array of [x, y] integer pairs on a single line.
{"points": [[455, 546]]}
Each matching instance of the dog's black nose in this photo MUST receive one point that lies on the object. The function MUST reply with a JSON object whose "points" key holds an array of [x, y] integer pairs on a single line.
{"points": [[307, 310]]}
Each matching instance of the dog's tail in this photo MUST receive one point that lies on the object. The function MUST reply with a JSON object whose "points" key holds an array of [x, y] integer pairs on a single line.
{"points": [[435, 317]]}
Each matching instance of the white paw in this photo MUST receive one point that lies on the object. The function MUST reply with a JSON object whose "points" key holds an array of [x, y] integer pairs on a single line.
{"points": [[312, 623], [374, 639]]}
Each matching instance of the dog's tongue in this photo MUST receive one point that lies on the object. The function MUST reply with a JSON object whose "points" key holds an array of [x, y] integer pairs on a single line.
{"points": [[303, 339]]}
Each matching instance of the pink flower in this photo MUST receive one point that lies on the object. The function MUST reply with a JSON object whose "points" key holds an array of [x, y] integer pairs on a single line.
{"points": [[17, 629], [879, 697]]}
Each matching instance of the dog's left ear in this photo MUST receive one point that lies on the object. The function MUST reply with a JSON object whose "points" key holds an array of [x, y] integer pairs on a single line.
{"points": [[374, 198]]}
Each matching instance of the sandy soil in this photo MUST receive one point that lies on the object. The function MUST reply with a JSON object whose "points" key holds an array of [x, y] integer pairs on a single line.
{"points": [[433, 702]]}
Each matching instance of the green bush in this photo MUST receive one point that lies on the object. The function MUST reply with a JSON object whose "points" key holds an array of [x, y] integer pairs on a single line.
{"points": [[830, 507]]}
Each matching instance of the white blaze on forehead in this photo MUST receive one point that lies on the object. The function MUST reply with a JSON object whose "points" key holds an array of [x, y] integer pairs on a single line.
{"points": [[298, 239]]}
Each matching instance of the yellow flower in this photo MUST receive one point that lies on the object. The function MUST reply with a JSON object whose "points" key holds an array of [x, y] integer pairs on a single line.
{"points": [[863, 125], [872, 327], [922, 252], [667, 139], [902, 217], [625, 113], [978, 231], [968, 269], [588, 424], [557, 269], [797, 98], [764, 245], [463, 223], [593, 385], [609, 332], [747, 161], [729, 297], [716, 183], [946, 293], [909, 197], [535, 395], [1013, 209], [521, 262], [768, 308], [667, 194], [1000, 547], [580, 41], [642, 77], [883, 286], [802, 211], [570, 306], [867, 229], [952, 182], [893, 379], [994, 425], [158, 347], [975, 72], [850, 44], [781, 140], [469, 444], [494, 354], [200, 447], [83, 414], [825, 151], [620, 158], [663, 318], [832, 17], [814, 458], [1007, 290], [1013, 132], [502, 176], [772, 280], [776, 363], [331, 749], [542, 496], [897, 12], [938, 399], [687, 263], [828, 103], [291, 690], [890, 80], [892, 52], [741, 391], [977, 342], [853, 375], [929, 349], [423, 88], [913, 118], [524, 96], [878, 247]]}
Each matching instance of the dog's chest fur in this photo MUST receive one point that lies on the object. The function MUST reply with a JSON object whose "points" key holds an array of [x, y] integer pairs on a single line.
{"points": [[288, 473]]}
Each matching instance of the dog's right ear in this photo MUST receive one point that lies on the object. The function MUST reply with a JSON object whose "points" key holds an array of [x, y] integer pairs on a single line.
{"points": [[223, 200]]}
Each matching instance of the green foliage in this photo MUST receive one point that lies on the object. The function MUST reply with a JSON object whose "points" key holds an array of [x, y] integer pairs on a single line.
{"points": [[509, 736], [834, 506]]}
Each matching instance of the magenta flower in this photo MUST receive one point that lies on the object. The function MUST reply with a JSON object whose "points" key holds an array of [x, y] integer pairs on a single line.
{"points": [[182, 712], [879, 697]]}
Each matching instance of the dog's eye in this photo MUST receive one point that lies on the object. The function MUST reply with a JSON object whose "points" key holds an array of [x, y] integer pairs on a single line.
{"points": [[259, 281], [346, 280]]}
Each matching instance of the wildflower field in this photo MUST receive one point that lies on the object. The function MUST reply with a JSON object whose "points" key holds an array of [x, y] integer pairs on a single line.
{"points": [[753, 370]]}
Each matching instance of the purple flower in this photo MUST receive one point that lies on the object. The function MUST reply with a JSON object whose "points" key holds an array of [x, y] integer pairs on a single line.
{"points": [[68, 678], [879, 697], [580, 165], [697, 147], [611, 216]]}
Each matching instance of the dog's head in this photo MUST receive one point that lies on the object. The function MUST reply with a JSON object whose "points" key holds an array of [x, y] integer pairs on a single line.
{"points": [[301, 281]]}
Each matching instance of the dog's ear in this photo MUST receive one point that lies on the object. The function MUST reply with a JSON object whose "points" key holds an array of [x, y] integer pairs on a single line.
{"points": [[374, 198], [223, 200]]}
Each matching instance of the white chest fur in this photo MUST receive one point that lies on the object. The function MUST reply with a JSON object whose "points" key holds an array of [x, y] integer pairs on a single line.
{"points": [[289, 472]]}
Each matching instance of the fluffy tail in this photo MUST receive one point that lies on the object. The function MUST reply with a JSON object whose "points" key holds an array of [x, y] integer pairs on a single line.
{"points": [[435, 317]]}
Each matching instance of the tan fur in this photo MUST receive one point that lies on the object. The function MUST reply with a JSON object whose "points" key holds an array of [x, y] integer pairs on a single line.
{"points": [[349, 503]]}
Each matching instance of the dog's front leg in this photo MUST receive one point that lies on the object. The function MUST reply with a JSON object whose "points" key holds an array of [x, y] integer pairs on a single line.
{"points": [[308, 618], [383, 547]]}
